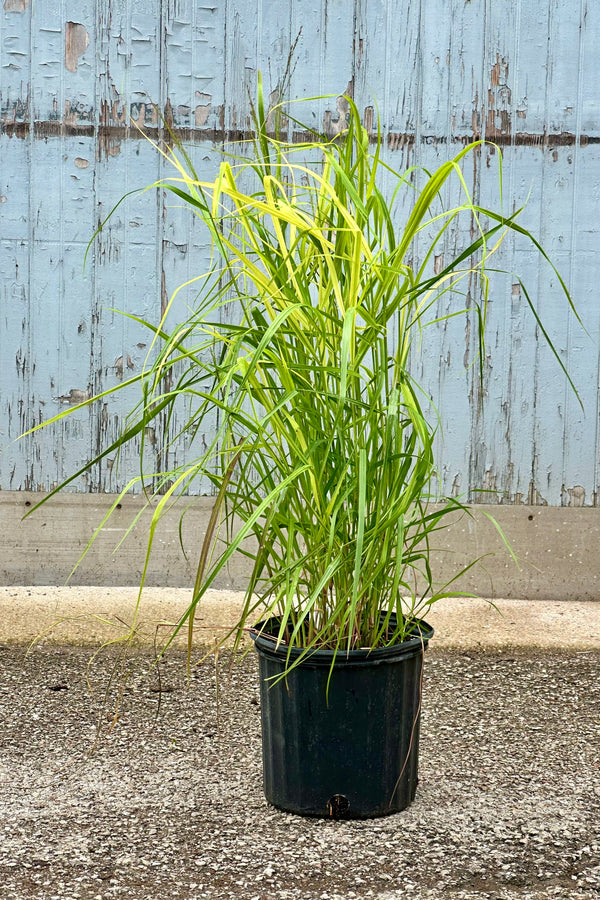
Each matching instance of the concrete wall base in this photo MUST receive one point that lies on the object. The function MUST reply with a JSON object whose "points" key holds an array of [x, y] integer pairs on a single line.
{"points": [[557, 547]]}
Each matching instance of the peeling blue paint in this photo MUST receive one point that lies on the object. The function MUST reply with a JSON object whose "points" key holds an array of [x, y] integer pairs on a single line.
{"points": [[436, 74]]}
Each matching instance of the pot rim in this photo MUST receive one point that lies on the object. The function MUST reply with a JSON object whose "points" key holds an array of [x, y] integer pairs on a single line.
{"points": [[265, 644]]}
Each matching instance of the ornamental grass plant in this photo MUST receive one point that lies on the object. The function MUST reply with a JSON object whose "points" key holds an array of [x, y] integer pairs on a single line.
{"points": [[322, 464]]}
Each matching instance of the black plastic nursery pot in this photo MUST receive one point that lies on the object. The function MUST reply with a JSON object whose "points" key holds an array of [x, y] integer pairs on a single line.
{"points": [[350, 751]]}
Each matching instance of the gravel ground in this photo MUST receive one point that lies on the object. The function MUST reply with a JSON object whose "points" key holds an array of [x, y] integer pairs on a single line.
{"points": [[171, 806]]}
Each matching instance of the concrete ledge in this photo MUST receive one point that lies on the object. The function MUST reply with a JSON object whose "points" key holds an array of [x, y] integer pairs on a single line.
{"points": [[557, 547], [91, 615], [45, 547]]}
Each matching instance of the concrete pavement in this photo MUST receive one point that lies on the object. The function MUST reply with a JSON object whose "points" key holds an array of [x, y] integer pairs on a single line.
{"points": [[89, 615]]}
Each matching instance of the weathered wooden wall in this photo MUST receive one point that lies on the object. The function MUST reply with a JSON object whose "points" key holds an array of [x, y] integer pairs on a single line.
{"points": [[76, 78]]}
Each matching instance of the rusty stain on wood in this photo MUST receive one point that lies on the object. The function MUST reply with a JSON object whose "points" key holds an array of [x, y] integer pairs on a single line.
{"points": [[576, 495], [164, 294], [498, 123], [120, 364], [534, 497], [202, 110], [76, 395], [77, 41]]}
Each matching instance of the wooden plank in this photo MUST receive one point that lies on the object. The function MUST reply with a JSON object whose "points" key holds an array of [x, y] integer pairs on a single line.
{"points": [[580, 473], [194, 39], [15, 68], [63, 66], [124, 263], [556, 415], [125, 258], [15, 320], [452, 53], [193, 59], [587, 97], [323, 64], [530, 94], [14, 364]]}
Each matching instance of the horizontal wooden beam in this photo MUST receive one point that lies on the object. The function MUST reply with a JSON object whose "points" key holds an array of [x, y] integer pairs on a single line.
{"points": [[42, 130]]}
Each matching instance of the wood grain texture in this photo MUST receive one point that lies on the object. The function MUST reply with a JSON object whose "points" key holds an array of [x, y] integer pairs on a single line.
{"points": [[78, 80]]}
